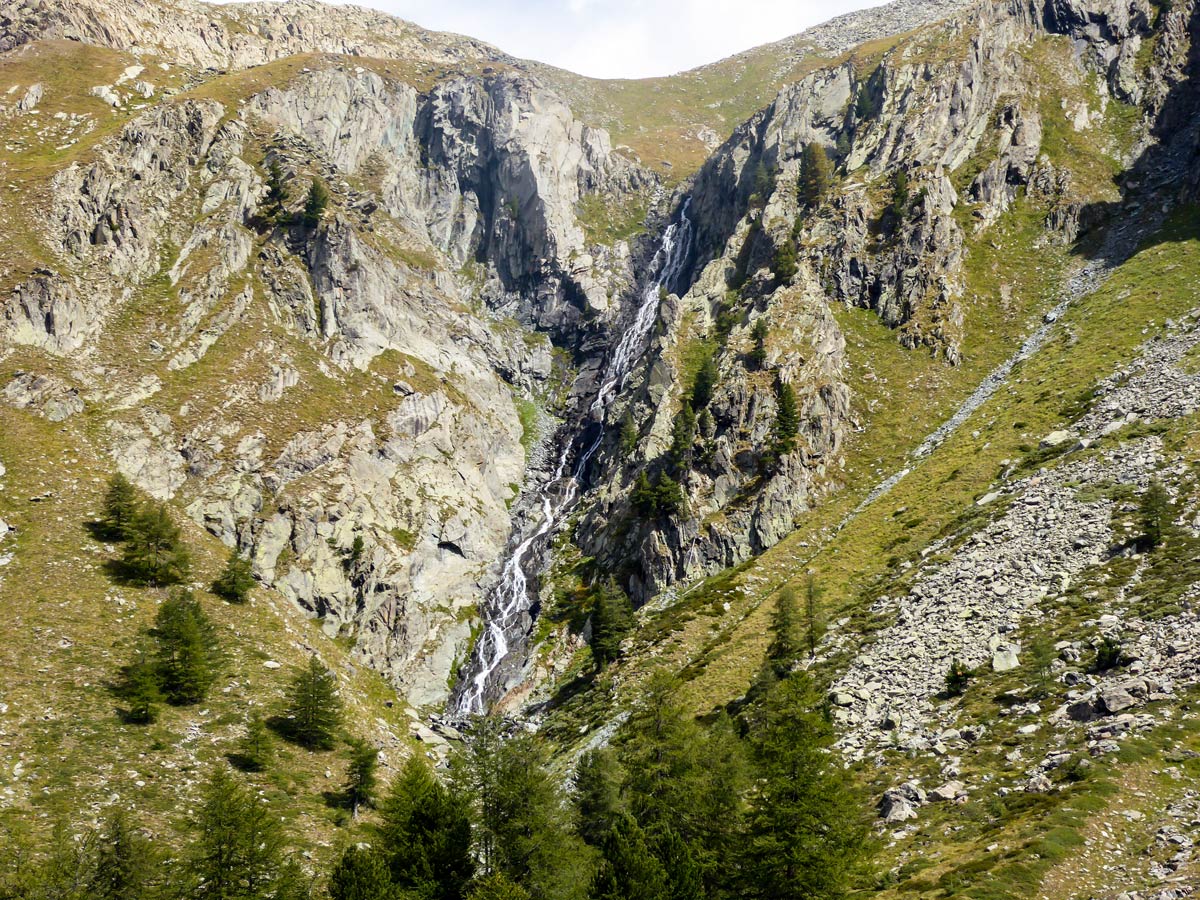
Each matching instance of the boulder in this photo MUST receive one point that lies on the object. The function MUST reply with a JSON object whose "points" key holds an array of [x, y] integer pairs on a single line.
{"points": [[1058, 439], [1115, 698], [1005, 658], [947, 792]]}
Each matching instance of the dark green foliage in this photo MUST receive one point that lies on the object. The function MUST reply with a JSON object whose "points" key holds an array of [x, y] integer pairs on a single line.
{"points": [[154, 552], [670, 498], [629, 434], [598, 779], [807, 833], [357, 547], [1109, 655], [120, 508], [706, 381], [1155, 513], [187, 654], [728, 313], [816, 175], [685, 778], [361, 775], [628, 870], [497, 887], [315, 204], [812, 622], [784, 266], [612, 618], [786, 426], [957, 678], [140, 688], [764, 184], [314, 710], [842, 148], [426, 835], [236, 579], [127, 862], [237, 852], [256, 748], [361, 873], [683, 435], [784, 648], [525, 831], [684, 879], [658, 498], [900, 198], [758, 356], [869, 100], [276, 192]]}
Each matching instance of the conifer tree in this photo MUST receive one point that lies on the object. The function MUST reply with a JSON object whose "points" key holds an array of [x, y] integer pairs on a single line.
{"points": [[361, 873], [314, 709], [316, 203], [816, 175], [256, 748], [900, 196], [187, 653], [787, 421], [1155, 512], [426, 834], [684, 878], [758, 356], [236, 579], [525, 829], [612, 617], [629, 434], [154, 550], [806, 836], [276, 191], [120, 508], [683, 434], [784, 648], [706, 381], [236, 851], [598, 782], [360, 776], [140, 688], [785, 266], [628, 870], [126, 864], [497, 887]]}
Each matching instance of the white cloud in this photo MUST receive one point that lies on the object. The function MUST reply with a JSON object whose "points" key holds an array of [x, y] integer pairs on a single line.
{"points": [[621, 38]]}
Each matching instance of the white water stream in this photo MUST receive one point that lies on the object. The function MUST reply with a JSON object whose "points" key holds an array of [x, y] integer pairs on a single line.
{"points": [[506, 607]]}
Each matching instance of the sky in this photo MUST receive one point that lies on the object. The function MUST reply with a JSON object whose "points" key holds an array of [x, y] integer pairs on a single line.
{"points": [[621, 38]]}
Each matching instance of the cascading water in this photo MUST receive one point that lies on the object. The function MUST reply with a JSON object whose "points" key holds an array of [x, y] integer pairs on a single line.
{"points": [[506, 608]]}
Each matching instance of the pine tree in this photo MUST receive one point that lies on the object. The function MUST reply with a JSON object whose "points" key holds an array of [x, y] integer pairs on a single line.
{"points": [[360, 776], [816, 175], [684, 878], [628, 871], [629, 435], [785, 266], [315, 204], [758, 356], [256, 748], [525, 829], [154, 551], [784, 648], [1155, 513], [669, 494], [140, 688], [187, 653], [237, 848], [127, 863], [806, 837], [706, 382], [276, 191], [497, 887], [120, 508], [900, 196], [314, 709], [236, 579], [598, 781], [683, 435], [426, 834], [958, 677], [361, 874], [787, 420], [612, 617], [812, 625]]}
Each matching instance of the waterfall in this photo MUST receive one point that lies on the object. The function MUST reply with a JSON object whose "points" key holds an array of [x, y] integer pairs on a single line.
{"points": [[505, 608]]}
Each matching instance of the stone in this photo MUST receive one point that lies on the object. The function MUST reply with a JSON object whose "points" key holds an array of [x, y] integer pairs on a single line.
{"points": [[1005, 658], [1115, 698], [947, 792], [1057, 439]]}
